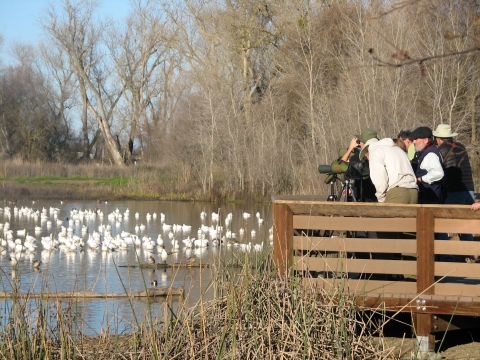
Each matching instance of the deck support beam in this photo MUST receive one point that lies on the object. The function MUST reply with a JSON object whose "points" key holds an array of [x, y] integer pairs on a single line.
{"points": [[425, 276], [282, 237]]}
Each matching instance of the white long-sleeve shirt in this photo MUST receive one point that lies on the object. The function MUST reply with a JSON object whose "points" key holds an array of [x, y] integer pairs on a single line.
{"points": [[431, 163], [389, 168]]}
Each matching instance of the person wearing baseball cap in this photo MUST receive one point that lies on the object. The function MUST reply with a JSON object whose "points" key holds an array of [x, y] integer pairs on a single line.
{"points": [[427, 166], [458, 180], [429, 172]]}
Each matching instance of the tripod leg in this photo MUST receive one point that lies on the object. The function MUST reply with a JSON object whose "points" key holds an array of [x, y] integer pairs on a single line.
{"points": [[352, 192]]}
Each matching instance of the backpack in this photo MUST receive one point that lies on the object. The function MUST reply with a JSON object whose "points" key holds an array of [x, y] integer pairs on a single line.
{"points": [[357, 169]]}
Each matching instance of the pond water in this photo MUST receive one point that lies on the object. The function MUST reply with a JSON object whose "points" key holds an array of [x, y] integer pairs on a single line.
{"points": [[100, 271]]}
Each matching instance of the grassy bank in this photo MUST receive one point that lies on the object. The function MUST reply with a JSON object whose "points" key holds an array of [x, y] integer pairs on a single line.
{"points": [[36, 181], [253, 315]]}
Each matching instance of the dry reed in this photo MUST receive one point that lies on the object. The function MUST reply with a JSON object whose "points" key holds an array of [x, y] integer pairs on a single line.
{"points": [[253, 314]]}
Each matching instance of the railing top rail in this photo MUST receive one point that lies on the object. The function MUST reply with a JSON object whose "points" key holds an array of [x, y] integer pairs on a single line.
{"points": [[315, 205]]}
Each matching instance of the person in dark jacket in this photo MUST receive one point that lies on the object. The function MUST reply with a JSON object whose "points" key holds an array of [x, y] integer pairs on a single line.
{"points": [[363, 186], [428, 167], [457, 184]]}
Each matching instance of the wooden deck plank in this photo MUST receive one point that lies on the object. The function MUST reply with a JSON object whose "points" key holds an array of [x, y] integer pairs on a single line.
{"points": [[457, 269], [306, 263], [457, 226], [383, 295], [315, 205], [456, 247], [356, 244], [453, 212], [456, 290], [470, 308], [327, 208], [362, 287], [354, 223]]}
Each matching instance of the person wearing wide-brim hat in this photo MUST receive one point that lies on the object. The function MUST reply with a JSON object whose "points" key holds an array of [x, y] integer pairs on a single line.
{"points": [[367, 134], [457, 182], [358, 141]]}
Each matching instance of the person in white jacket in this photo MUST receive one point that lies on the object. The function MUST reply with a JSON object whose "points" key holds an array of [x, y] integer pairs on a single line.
{"points": [[391, 172]]}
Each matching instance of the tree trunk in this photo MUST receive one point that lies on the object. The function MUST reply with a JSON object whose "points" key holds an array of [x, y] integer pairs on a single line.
{"points": [[86, 145]]}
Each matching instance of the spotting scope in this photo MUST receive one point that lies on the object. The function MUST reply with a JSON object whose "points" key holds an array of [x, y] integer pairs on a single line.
{"points": [[336, 167]]}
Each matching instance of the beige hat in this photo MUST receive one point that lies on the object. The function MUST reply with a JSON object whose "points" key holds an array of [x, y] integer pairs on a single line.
{"points": [[365, 148], [444, 131]]}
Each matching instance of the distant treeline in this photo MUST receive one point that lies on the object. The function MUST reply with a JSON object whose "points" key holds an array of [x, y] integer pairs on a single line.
{"points": [[237, 97]]}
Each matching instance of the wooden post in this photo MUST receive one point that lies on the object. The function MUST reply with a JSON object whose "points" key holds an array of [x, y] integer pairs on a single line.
{"points": [[425, 275], [282, 237]]}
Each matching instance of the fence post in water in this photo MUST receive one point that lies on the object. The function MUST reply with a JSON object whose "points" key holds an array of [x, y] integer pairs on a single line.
{"points": [[282, 237], [425, 275]]}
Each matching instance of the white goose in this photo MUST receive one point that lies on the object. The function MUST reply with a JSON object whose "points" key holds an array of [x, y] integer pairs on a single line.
{"points": [[21, 232], [201, 243], [175, 245], [164, 256], [159, 240], [19, 247], [188, 243]]}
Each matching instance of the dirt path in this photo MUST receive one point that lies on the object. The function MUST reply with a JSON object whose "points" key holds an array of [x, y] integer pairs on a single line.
{"points": [[460, 344]]}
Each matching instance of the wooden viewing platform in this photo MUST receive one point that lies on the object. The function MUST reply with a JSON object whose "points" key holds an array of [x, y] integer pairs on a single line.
{"points": [[314, 238]]}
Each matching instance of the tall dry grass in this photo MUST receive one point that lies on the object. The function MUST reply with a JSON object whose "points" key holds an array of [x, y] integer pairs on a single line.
{"points": [[20, 168], [253, 314]]}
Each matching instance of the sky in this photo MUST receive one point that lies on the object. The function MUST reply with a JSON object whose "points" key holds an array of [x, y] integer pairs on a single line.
{"points": [[19, 20]]}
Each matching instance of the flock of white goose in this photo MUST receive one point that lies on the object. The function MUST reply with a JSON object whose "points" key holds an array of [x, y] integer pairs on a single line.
{"points": [[174, 238]]}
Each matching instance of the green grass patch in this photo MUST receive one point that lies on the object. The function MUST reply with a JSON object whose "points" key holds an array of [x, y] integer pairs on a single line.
{"points": [[50, 180]]}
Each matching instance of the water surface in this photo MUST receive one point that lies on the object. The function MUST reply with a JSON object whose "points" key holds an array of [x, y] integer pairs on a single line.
{"points": [[106, 272]]}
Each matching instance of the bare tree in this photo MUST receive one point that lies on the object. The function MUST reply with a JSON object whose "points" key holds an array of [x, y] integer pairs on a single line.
{"points": [[442, 45], [60, 77], [75, 29], [138, 51]]}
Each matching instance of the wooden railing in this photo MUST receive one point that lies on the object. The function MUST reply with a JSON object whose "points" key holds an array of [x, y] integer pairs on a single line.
{"points": [[328, 241]]}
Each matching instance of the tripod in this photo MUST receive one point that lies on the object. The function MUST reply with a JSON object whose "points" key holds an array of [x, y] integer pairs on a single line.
{"points": [[346, 193], [346, 190]]}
